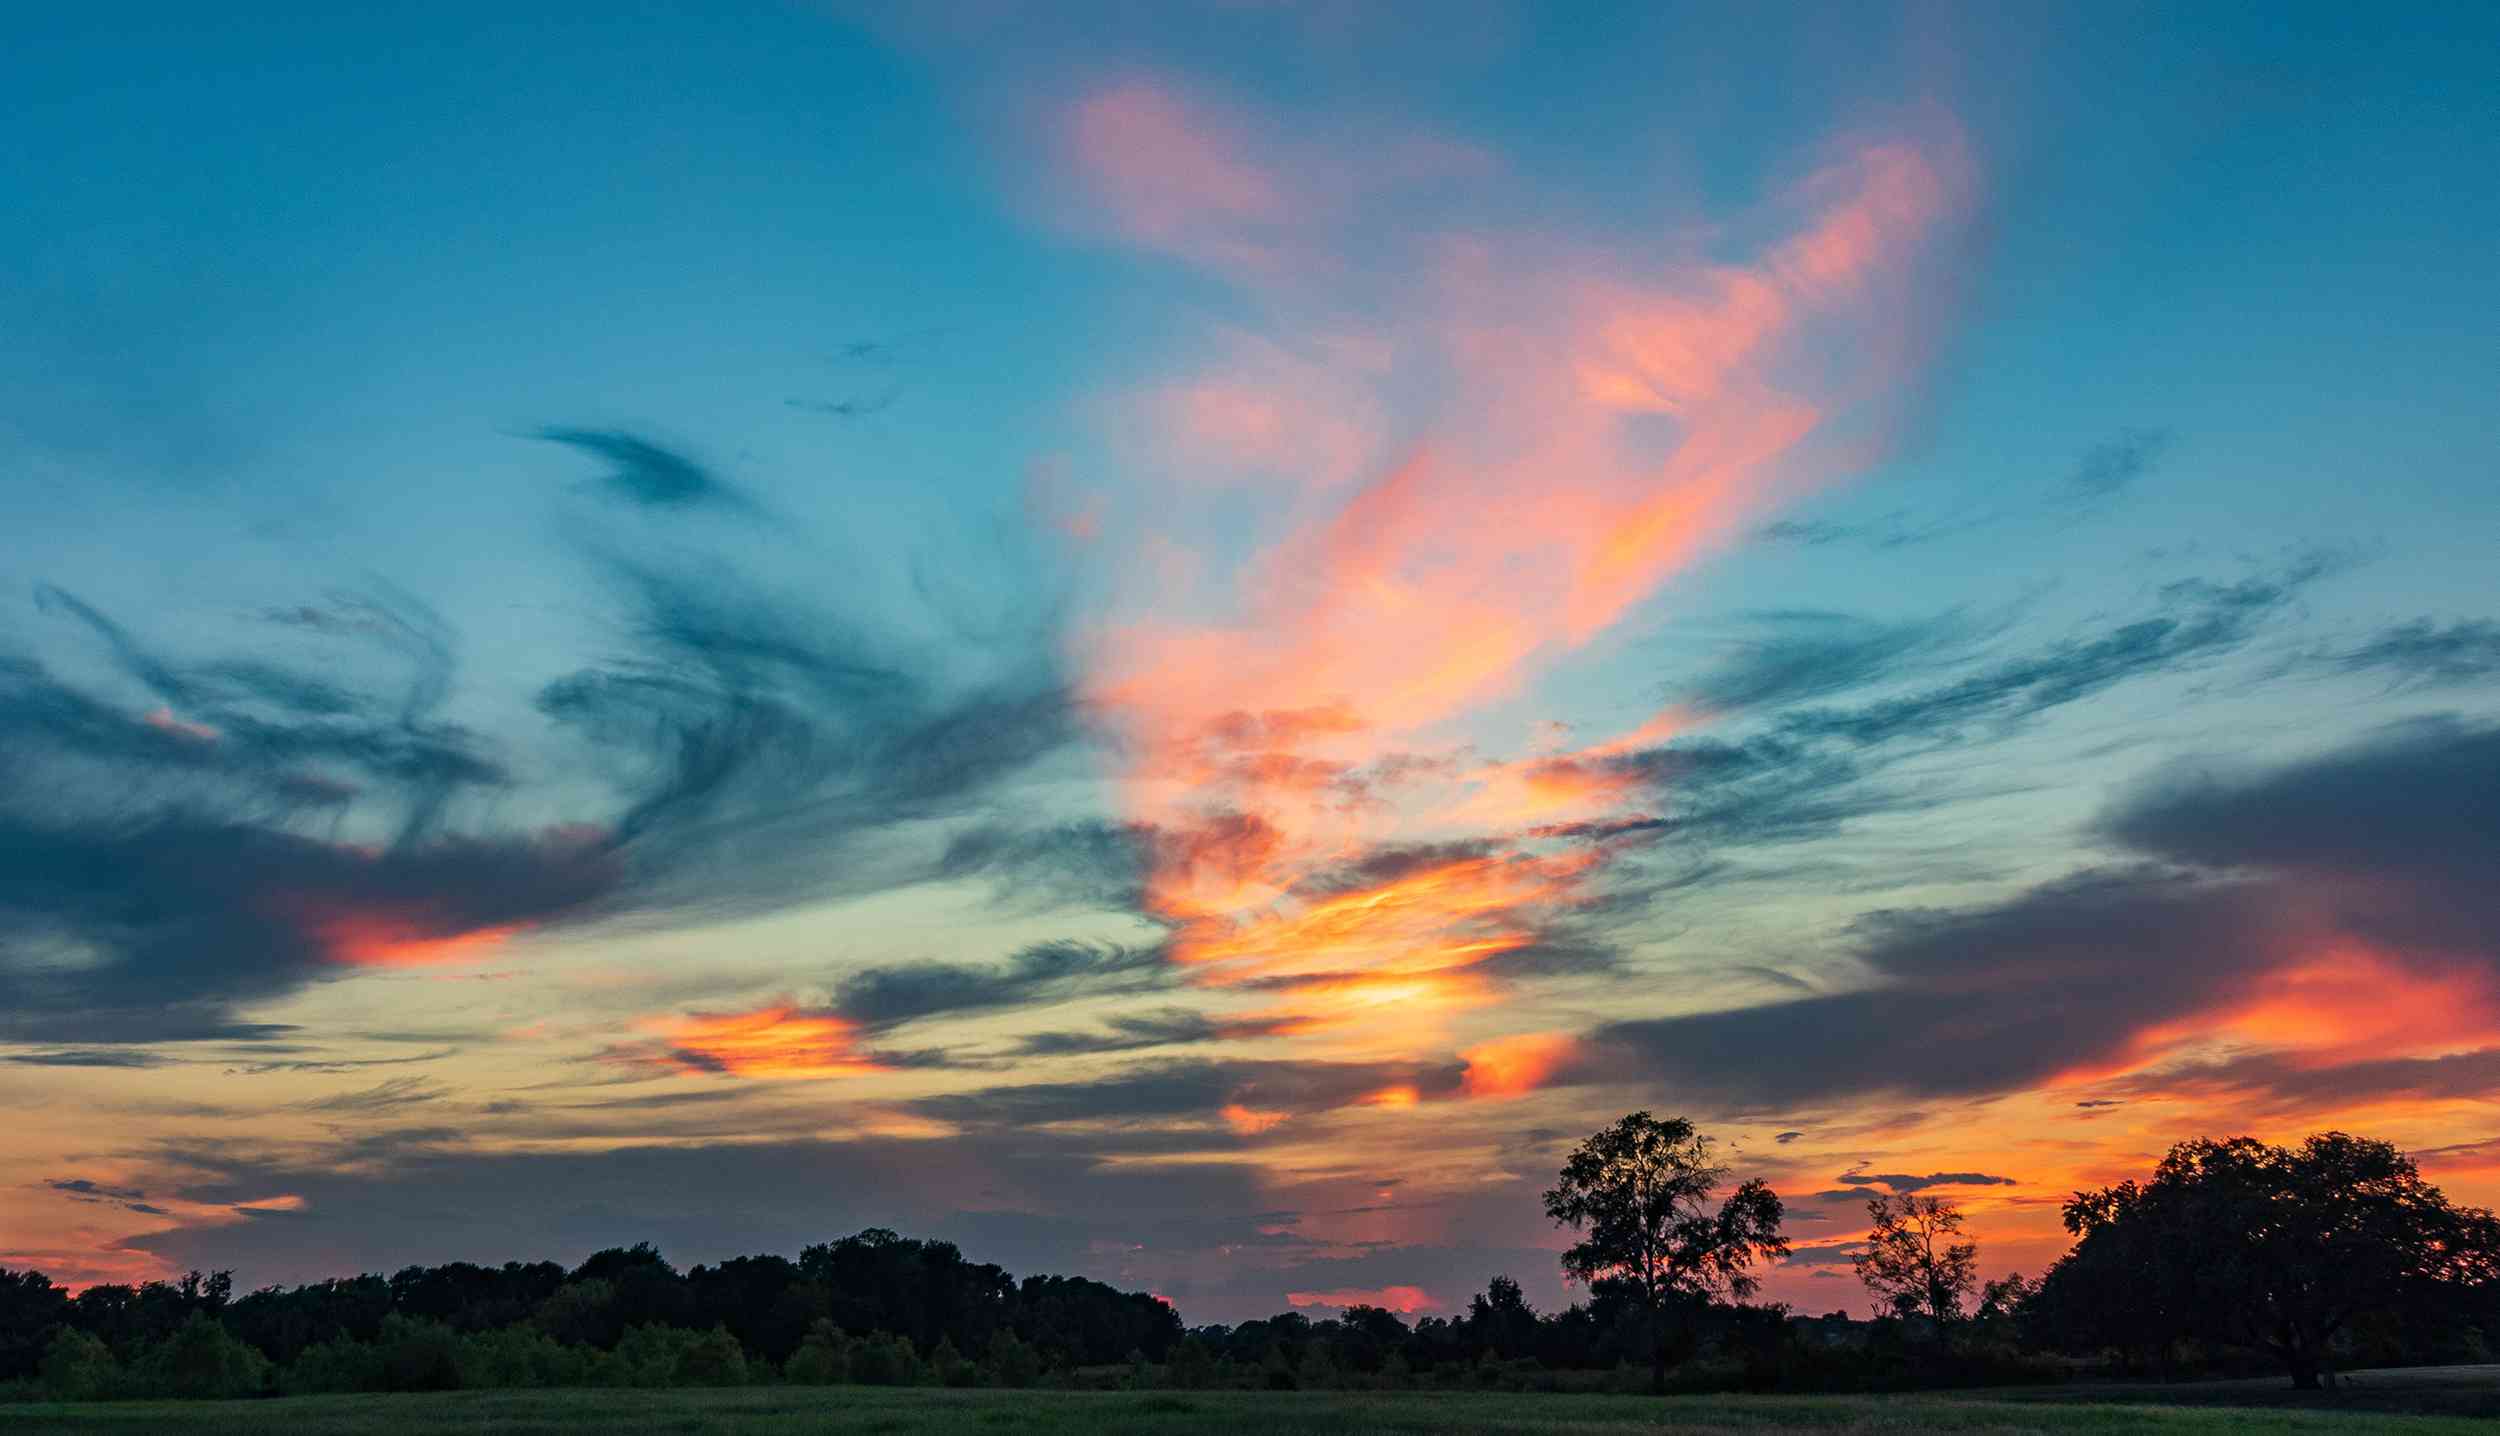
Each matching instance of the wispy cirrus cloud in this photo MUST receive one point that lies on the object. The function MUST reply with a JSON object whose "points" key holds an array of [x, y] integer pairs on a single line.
{"points": [[244, 828]]}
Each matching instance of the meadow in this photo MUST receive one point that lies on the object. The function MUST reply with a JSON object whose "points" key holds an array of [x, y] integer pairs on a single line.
{"points": [[909, 1411]]}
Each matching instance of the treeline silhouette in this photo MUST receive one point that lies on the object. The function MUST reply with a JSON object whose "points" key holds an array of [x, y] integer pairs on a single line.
{"points": [[2234, 1257]]}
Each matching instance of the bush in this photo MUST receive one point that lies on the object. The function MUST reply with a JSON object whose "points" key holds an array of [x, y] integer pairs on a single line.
{"points": [[823, 1358], [417, 1355], [202, 1360], [1193, 1366], [948, 1367], [1012, 1362], [331, 1368], [581, 1313], [517, 1356], [712, 1359], [1276, 1373], [886, 1359], [78, 1367], [648, 1356]]}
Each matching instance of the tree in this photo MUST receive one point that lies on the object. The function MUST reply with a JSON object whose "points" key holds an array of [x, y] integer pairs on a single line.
{"points": [[2004, 1305], [1912, 1262], [1639, 1193], [30, 1307], [2274, 1247], [1501, 1320]]}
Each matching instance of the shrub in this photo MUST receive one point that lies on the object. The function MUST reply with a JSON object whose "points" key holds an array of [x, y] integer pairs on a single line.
{"points": [[581, 1313], [712, 1359], [78, 1367], [518, 1356], [418, 1355], [332, 1368], [1012, 1362], [823, 1358], [1193, 1366], [648, 1356], [948, 1367], [1276, 1373], [202, 1359], [886, 1359]]}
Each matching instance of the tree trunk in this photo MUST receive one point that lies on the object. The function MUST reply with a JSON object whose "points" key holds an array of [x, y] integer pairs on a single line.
{"points": [[2304, 1370], [1658, 1368]]}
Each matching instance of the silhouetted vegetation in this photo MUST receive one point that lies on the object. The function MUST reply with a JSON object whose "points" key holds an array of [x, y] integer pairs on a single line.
{"points": [[2234, 1254]]}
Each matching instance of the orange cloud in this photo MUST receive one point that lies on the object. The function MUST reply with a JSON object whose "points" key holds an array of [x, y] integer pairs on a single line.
{"points": [[1509, 1067], [778, 1040], [393, 940], [1515, 447], [1249, 1121], [1404, 1300]]}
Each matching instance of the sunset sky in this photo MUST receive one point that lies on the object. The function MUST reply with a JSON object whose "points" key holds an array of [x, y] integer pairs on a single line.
{"points": [[1177, 643]]}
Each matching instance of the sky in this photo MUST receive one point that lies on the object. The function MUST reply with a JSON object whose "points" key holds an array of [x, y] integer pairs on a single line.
{"points": [[1178, 642]]}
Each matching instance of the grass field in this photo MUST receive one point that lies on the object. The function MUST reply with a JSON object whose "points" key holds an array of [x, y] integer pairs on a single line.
{"points": [[907, 1412]]}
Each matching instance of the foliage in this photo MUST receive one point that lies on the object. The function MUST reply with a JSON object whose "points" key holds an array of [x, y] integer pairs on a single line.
{"points": [[823, 1358], [30, 1305], [1014, 1363], [202, 1359], [2272, 1247], [77, 1366], [1912, 1262], [1638, 1192], [886, 1359]]}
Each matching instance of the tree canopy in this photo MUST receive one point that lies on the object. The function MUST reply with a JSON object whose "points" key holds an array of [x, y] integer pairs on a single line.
{"points": [[1913, 1262], [2275, 1247], [1638, 1192]]}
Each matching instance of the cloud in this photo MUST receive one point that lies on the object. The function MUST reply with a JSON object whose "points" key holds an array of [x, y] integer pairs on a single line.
{"points": [[2202, 621], [88, 1057], [160, 872], [647, 474], [2291, 1083], [1171, 1027], [1085, 863], [2244, 886], [1895, 530], [396, 1094], [1813, 655], [1404, 1300], [2395, 831], [86, 1187], [2110, 469], [1900, 1182], [878, 998], [2424, 654], [1196, 1089], [2103, 475], [1977, 1000]]}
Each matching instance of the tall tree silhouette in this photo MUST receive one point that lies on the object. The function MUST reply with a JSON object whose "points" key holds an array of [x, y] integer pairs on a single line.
{"points": [[1913, 1262], [1639, 1192]]}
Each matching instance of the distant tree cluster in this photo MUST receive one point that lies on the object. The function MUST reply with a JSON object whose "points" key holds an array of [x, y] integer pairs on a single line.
{"points": [[2333, 1253], [875, 1309]]}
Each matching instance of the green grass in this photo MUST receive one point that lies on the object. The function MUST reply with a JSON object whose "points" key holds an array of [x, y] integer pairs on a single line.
{"points": [[907, 1412]]}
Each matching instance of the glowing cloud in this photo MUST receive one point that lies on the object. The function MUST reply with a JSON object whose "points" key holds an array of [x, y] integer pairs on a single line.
{"points": [[1404, 1300], [1594, 425], [1515, 1066], [774, 1041]]}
